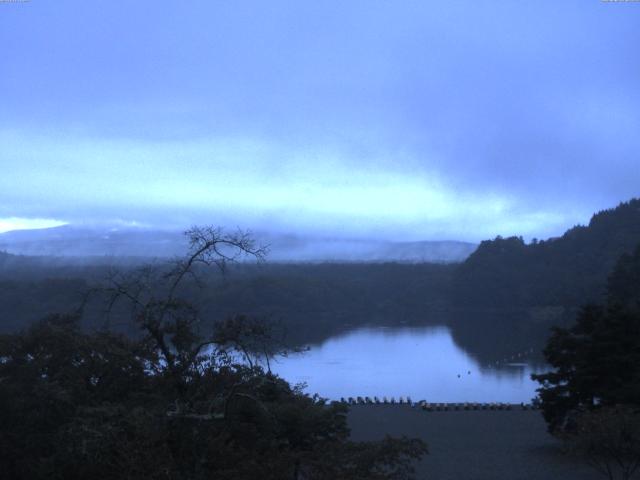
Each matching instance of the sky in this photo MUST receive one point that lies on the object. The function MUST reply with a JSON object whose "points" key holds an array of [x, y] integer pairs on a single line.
{"points": [[401, 120]]}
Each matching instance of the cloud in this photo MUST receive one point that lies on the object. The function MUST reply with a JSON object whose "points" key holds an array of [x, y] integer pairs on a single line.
{"points": [[254, 183], [412, 119], [14, 223]]}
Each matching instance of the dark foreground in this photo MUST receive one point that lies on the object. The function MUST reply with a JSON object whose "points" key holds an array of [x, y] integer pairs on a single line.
{"points": [[473, 445]]}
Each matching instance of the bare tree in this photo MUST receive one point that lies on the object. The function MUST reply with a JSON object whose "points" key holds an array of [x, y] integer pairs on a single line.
{"points": [[156, 295]]}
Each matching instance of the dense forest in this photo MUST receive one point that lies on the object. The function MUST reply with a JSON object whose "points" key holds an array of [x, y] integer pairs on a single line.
{"points": [[515, 292], [502, 299], [324, 298], [591, 393], [597, 359], [564, 271]]}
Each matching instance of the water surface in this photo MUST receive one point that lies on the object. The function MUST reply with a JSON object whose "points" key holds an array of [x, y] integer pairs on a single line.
{"points": [[422, 362]]}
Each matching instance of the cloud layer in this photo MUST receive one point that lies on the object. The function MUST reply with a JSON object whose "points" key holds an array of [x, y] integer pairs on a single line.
{"points": [[390, 119]]}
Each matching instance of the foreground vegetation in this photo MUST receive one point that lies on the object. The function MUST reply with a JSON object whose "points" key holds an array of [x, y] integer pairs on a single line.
{"points": [[591, 398], [176, 402], [159, 387]]}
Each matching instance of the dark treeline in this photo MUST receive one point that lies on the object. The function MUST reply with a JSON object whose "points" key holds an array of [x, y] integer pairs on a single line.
{"points": [[564, 271], [597, 359], [328, 298], [324, 298], [516, 292], [504, 298], [591, 396]]}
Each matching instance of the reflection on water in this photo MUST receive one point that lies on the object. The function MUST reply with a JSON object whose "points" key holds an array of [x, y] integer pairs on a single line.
{"points": [[422, 362]]}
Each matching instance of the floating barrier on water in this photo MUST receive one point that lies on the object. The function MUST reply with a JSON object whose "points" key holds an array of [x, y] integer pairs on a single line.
{"points": [[512, 359], [438, 406]]}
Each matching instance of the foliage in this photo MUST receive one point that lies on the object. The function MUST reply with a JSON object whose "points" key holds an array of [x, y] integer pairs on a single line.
{"points": [[609, 440], [568, 271], [596, 361], [309, 301], [172, 402]]}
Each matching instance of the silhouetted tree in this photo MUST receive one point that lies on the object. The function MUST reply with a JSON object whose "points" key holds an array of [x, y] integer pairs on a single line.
{"points": [[609, 440], [173, 403], [597, 360], [592, 397], [569, 270]]}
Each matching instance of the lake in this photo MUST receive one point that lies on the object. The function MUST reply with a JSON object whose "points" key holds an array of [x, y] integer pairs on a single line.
{"points": [[421, 362]]}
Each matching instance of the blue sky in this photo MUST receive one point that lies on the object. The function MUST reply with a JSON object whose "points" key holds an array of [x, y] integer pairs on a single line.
{"points": [[402, 120]]}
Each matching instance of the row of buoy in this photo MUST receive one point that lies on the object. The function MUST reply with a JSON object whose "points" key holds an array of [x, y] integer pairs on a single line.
{"points": [[437, 407], [377, 401], [516, 356], [443, 407]]}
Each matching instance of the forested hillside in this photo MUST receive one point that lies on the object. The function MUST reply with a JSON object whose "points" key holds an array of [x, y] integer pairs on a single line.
{"points": [[310, 301], [508, 293], [565, 271]]}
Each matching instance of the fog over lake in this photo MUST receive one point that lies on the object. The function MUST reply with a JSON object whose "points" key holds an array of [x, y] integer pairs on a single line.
{"points": [[421, 362]]}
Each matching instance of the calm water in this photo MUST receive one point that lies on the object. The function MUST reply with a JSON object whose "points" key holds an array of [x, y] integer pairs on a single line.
{"points": [[423, 363]]}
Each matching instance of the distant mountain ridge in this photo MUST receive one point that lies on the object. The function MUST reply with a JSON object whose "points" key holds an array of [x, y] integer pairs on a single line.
{"points": [[71, 241]]}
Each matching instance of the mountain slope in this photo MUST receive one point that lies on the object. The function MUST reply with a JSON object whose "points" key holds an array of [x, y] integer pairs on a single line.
{"points": [[568, 271]]}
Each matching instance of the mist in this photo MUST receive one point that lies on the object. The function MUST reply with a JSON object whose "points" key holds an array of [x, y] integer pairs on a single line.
{"points": [[138, 243]]}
